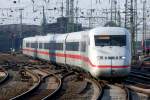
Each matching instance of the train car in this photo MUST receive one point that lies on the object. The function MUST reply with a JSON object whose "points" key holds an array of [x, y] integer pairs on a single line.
{"points": [[27, 43], [102, 51]]}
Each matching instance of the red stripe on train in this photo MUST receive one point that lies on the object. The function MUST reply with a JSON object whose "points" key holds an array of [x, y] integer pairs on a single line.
{"points": [[79, 57]]}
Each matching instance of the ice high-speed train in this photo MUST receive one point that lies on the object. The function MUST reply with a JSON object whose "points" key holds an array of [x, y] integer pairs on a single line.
{"points": [[102, 51]]}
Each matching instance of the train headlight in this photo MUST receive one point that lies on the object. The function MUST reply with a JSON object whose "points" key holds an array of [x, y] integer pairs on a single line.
{"points": [[100, 57], [123, 57]]}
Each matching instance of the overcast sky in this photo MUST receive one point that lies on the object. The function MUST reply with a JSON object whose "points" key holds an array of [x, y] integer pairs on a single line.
{"points": [[29, 15], [9, 13], [35, 17]]}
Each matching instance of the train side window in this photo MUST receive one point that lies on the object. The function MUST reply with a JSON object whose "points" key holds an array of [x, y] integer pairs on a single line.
{"points": [[83, 46], [88, 41], [59, 46], [46, 46], [28, 45], [40, 45], [72, 46], [56, 46], [53, 46], [34, 45]]}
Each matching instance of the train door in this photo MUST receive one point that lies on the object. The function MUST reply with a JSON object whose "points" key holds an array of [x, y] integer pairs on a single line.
{"points": [[58, 49], [72, 53], [35, 46], [111, 64], [52, 49], [65, 41], [84, 44]]}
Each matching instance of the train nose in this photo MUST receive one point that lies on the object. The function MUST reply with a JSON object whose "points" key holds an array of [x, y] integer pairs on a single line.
{"points": [[111, 71], [120, 71]]}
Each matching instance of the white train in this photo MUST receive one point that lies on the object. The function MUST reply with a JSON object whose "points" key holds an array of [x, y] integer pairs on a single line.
{"points": [[102, 51]]}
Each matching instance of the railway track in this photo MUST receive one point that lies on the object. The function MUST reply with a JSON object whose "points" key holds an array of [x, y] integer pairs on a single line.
{"points": [[86, 89], [139, 83], [33, 84], [121, 91], [126, 89], [137, 93], [89, 88], [140, 79], [47, 86], [115, 92], [99, 89], [3, 75], [14, 86], [76, 88], [141, 75], [128, 93]]}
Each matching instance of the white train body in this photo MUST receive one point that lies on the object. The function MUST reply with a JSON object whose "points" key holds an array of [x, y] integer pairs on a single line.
{"points": [[103, 51]]}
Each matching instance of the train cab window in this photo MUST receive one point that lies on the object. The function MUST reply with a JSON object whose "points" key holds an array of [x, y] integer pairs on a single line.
{"points": [[118, 40], [110, 40], [102, 40], [72, 46]]}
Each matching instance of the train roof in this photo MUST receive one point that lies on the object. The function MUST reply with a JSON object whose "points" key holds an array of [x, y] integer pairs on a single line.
{"points": [[109, 31], [60, 37], [78, 35], [30, 39], [46, 38]]}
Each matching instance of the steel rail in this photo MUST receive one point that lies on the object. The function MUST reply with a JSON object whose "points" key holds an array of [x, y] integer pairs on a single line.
{"points": [[126, 89], [21, 96], [6, 76]]}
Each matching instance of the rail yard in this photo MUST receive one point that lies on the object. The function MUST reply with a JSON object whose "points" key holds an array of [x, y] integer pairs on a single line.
{"points": [[36, 80]]}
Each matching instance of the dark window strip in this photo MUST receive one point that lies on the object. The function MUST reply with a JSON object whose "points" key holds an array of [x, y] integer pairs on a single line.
{"points": [[53, 46], [72, 46]]}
